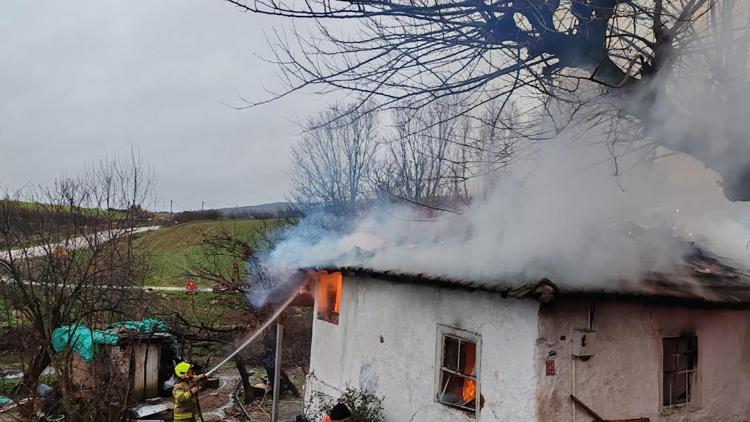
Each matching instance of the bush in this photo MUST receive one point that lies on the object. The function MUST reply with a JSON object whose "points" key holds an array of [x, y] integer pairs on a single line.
{"points": [[364, 405], [187, 216]]}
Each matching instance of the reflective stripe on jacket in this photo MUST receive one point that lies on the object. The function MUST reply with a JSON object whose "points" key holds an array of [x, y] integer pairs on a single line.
{"points": [[185, 402]]}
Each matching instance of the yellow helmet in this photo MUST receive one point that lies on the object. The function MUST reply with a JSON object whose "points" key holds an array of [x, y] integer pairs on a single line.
{"points": [[182, 368]]}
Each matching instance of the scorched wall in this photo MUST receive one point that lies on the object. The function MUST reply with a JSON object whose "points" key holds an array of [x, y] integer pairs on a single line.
{"points": [[623, 378]]}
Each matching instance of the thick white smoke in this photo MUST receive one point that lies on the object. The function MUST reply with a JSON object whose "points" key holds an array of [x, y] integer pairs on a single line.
{"points": [[569, 213], [562, 215]]}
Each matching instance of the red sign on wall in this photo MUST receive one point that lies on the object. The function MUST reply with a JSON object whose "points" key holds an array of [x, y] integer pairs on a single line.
{"points": [[549, 367]]}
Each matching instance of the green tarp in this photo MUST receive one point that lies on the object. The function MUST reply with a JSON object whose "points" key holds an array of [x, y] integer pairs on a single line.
{"points": [[147, 325], [83, 339]]}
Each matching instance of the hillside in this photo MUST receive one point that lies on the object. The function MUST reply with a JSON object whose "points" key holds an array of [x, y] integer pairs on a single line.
{"points": [[260, 210], [173, 250]]}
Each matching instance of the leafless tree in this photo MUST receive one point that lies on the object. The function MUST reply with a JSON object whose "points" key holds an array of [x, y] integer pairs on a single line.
{"points": [[424, 166], [435, 160], [617, 53], [67, 257], [333, 159], [493, 144]]}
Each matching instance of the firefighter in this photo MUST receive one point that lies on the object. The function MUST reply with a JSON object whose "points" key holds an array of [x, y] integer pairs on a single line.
{"points": [[185, 393]]}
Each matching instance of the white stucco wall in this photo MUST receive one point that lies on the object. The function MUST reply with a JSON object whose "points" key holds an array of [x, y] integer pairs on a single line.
{"points": [[623, 378], [401, 367]]}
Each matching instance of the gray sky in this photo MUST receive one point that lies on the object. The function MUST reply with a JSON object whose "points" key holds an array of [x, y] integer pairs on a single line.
{"points": [[81, 79]]}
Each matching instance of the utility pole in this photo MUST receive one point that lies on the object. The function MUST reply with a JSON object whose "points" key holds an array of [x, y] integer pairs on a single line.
{"points": [[170, 209], [277, 372], [202, 204]]}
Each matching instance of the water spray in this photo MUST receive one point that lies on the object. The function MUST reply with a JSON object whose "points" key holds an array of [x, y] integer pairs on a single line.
{"points": [[256, 333]]}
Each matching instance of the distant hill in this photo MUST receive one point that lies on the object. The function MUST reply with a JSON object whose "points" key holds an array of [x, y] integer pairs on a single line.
{"points": [[271, 209]]}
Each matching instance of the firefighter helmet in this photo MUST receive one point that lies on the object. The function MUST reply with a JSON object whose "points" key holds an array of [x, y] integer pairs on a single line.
{"points": [[182, 368]]}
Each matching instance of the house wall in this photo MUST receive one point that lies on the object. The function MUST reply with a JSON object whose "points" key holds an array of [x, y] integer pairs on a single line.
{"points": [[386, 342], [623, 378]]}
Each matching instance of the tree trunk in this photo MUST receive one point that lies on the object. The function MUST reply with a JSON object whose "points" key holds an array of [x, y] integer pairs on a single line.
{"points": [[245, 379], [38, 364]]}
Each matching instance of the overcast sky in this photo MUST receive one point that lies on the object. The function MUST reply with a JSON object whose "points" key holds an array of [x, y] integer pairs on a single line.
{"points": [[81, 79]]}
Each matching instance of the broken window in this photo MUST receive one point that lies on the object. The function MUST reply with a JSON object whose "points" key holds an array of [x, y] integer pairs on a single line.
{"points": [[329, 296], [680, 364], [458, 373]]}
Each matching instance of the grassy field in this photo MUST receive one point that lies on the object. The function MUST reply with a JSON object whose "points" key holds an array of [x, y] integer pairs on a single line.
{"points": [[174, 249], [89, 212]]}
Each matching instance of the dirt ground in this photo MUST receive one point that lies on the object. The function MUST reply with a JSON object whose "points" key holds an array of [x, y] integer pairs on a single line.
{"points": [[217, 405]]}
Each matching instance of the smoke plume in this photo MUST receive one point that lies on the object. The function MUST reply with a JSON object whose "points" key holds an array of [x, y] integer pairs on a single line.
{"points": [[586, 209]]}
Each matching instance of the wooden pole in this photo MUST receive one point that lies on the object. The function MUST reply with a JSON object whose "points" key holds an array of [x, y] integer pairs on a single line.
{"points": [[588, 410], [277, 372]]}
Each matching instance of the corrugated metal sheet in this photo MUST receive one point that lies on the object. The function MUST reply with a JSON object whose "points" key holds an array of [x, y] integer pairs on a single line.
{"points": [[702, 280]]}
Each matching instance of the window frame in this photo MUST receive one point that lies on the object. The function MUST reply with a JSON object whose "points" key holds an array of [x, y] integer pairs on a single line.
{"points": [[465, 336], [693, 392]]}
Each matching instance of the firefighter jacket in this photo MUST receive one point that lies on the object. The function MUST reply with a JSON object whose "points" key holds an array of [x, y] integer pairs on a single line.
{"points": [[185, 401]]}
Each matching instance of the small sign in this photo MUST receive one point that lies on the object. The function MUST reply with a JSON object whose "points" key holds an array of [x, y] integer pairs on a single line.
{"points": [[549, 368], [191, 286]]}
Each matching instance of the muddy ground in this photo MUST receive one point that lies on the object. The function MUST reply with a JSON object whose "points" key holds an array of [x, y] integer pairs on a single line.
{"points": [[218, 406]]}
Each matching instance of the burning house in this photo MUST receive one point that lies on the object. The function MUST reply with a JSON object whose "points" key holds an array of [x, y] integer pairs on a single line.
{"points": [[673, 347]]}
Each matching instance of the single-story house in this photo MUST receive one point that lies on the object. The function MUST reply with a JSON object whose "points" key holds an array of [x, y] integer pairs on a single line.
{"points": [[674, 347]]}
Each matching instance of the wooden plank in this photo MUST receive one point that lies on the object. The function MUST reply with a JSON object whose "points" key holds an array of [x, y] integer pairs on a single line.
{"points": [[630, 420], [139, 375], [152, 371], [598, 418], [119, 371], [82, 372], [588, 410]]}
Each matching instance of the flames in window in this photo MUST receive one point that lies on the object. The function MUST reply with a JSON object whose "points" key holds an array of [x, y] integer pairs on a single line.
{"points": [[329, 296], [469, 392], [458, 377]]}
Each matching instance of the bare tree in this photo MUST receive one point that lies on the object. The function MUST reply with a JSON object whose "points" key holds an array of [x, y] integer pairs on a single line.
{"points": [[493, 144], [436, 160], [66, 258], [411, 53], [425, 166], [333, 159], [119, 183]]}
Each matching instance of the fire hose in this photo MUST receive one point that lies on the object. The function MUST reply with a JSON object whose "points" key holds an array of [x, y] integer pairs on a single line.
{"points": [[255, 334]]}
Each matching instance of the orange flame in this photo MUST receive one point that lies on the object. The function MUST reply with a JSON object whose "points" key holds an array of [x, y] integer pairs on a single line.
{"points": [[469, 391], [329, 291]]}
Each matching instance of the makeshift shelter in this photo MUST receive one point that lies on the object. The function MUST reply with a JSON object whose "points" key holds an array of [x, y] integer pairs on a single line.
{"points": [[134, 353]]}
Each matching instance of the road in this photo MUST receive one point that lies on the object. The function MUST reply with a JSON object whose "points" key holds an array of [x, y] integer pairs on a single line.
{"points": [[83, 241], [71, 244]]}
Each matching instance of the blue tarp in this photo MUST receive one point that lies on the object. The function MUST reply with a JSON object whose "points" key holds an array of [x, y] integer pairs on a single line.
{"points": [[83, 339], [4, 400]]}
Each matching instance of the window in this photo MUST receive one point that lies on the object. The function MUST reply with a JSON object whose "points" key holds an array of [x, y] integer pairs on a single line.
{"points": [[458, 369], [329, 296], [680, 364]]}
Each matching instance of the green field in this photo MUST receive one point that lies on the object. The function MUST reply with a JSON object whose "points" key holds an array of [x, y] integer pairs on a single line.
{"points": [[89, 212], [175, 249]]}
